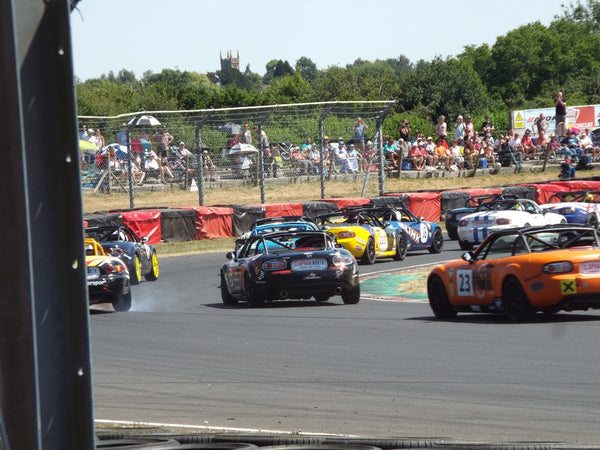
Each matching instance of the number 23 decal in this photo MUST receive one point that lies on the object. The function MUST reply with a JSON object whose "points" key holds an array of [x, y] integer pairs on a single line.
{"points": [[464, 282]]}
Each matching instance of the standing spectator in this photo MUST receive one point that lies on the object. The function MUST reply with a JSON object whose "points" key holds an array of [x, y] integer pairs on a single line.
{"points": [[359, 133], [270, 163], [404, 130], [560, 115], [83, 135], [441, 129], [541, 124], [162, 139], [143, 134], [264, 139], [459, 128], [354, 157], [246, 136], [488, 126], [122, 135], [208, 166], [100, 141], [469, 128], [307, 144]]}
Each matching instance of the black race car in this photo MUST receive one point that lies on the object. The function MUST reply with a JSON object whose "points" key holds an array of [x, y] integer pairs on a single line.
{"points": [[289, 265], [121, 241]]}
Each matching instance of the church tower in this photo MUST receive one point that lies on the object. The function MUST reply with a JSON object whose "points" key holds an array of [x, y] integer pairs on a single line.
{"points": [[229, 62]]}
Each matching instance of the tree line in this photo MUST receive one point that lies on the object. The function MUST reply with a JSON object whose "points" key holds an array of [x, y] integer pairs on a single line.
{"points": [[523, 69]]}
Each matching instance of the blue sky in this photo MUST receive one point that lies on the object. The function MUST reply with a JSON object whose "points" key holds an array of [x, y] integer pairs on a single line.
{"points": [[142, 35]]}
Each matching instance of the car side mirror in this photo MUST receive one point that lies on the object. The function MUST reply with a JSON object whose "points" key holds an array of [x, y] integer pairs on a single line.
{"points": [[230, 256], [145, 239], [468, 257], [420, 219]]}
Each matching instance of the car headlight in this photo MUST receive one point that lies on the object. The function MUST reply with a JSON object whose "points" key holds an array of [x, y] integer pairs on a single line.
{"points": [[558, 267], [346, 234]]}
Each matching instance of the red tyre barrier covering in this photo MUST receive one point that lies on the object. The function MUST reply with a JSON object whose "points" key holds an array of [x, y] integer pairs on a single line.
{"points": [[543, 192], [343, 202], [213, 222], [579, 185], [144, 223], [425, 204], [283, 209]]}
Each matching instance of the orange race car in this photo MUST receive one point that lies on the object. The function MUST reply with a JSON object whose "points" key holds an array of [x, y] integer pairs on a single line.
{"points": [[521, 271]]}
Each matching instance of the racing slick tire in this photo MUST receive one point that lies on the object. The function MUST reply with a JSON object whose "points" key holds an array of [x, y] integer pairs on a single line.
{"points": [[465, 245], [369, 256], [351, 296], [122, 301], [438, 299], [135, 275], [153, 274], [591, 220], [401, 247], [515, 302], [437, 241], [253, 300], [225, 295]]}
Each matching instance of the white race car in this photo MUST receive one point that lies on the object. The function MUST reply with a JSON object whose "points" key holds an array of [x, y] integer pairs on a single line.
{"points": [[501, 215]]}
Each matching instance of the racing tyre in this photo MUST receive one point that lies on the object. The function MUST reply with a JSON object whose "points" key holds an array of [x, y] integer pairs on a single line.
{"points": [[515, 302], [351, 296], [438, 299], [465, 245], [437, 241], [225, 295], [253, 300], [122, 301], [153, 274], [591, 220], [135, 275], [369, 255], [401, 247]]}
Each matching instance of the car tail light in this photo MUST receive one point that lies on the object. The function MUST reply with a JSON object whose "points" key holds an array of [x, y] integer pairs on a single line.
{"points": [[463, 223], [113, 268], [558, 267], [276, 264], [503, 221], [114, 251], [342, 260], [346, 234]]}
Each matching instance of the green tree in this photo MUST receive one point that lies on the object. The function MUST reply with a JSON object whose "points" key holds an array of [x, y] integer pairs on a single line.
{"points": [[307, 68]]}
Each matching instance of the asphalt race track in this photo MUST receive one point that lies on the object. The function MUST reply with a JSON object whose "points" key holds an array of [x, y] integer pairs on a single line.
{"points": [[378, 368]]}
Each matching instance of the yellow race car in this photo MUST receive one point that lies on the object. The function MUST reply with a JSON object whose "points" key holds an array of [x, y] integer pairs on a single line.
{"points": [[362, 233]]}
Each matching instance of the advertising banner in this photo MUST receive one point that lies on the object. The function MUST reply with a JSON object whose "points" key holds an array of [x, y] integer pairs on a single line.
{"points": [[580, 117]]}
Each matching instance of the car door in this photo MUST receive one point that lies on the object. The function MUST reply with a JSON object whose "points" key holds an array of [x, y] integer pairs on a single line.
{"points": [[475, 281]]}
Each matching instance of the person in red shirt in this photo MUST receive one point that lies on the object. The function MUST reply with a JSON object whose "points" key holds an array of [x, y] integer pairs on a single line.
{"points": [[528, 146]]}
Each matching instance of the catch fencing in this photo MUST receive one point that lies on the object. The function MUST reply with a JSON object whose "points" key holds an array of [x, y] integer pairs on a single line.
{"points": [[219, 153]]}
